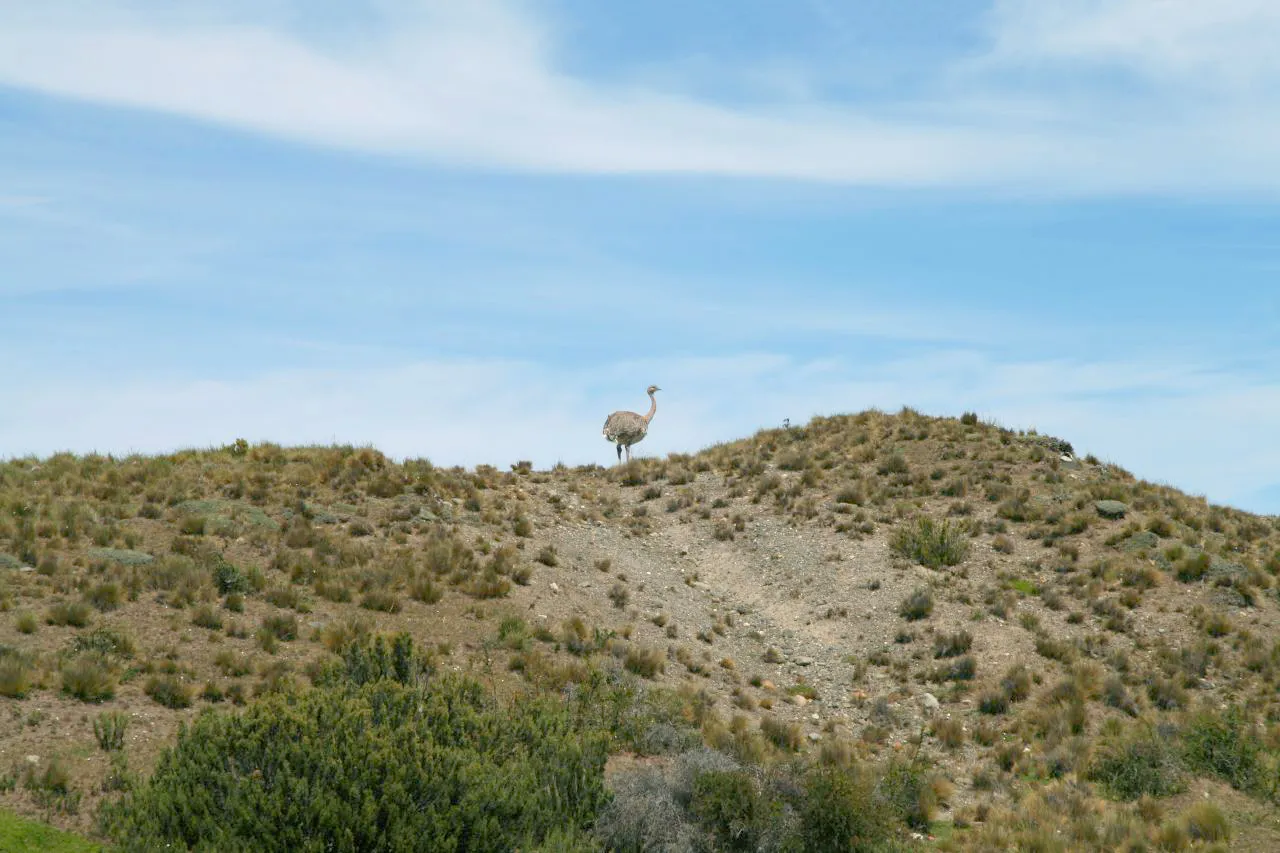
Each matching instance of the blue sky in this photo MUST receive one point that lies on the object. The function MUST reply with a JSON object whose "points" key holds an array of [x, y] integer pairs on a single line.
{"points": [[470, 231]]}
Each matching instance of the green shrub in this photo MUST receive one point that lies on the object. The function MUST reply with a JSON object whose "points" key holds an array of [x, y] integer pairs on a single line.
{"points": [[907, 788], [1143, 763], [729, 804], [930, 543], [109, 728], [26, 622], [1225, 745], [842, 813], [383, 766]]}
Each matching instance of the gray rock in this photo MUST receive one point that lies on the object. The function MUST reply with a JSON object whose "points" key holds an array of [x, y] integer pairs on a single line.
{"points": [[930, 702], [1111, 509]]}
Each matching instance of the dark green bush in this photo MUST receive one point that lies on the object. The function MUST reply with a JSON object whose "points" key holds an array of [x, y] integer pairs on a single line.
{"points": [[380, 766], [1225, 745], [842, 813], [729, 804]]}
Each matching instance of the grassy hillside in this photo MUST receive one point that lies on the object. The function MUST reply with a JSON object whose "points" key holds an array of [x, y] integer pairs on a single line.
{"points": [[1002, 643]]}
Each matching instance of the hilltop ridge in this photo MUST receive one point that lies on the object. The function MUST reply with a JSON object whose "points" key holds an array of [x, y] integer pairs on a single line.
{"points": [[869, 584]]}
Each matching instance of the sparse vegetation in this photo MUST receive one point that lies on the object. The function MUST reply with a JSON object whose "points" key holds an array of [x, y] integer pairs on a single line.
{"points": [[1086, 664]]}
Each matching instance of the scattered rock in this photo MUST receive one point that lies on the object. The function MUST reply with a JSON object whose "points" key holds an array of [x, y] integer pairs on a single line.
{"points": [[1111, 509], [555, 587], [804, 661], [930, 702], [799, 701]]}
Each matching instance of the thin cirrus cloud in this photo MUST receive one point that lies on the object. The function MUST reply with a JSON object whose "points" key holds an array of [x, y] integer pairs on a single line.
{"points": [[478, 84]]}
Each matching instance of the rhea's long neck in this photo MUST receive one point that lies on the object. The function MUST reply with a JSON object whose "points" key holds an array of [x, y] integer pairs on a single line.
{"points": [[653, 407]]}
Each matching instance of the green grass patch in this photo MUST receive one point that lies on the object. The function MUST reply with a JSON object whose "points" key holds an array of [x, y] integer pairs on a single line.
{"points": [[19, 835]]}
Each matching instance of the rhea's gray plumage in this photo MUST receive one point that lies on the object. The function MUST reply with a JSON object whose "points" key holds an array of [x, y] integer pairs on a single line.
{"points": [[627, 428]]}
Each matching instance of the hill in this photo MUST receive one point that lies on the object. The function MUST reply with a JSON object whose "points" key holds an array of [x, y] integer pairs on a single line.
{"points": [[1045, 650]]}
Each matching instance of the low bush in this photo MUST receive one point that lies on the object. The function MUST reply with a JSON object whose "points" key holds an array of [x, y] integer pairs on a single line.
{"points": [[1143, 763], [384, 766], [1224, 744]]}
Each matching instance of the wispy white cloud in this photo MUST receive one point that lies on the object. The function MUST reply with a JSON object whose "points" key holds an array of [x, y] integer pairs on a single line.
{"points": [[1205, 431], [479, 84], [1227, 45]]}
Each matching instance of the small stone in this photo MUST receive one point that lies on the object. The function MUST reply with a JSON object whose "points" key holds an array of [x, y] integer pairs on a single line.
{"points": [[799, 701], [555, 587], [768, 685], [814, 737], [930, 702], [33, 759], [804, 661]]}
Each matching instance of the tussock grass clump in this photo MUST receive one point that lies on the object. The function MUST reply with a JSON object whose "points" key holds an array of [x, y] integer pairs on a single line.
{"points": [[1206, 822], [74, 613], [931, 543], [645, 662], [207, 616], [782, 734], [282, 626], [383, 600], [918, 605], [952, 645], [89, 677], [17, 673], [170, 691]]}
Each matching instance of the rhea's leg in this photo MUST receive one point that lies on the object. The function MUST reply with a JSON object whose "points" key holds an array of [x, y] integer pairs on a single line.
{"points": [[619, 452]]}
